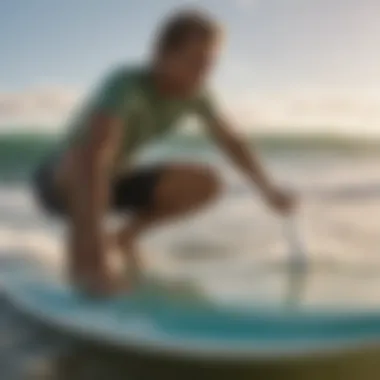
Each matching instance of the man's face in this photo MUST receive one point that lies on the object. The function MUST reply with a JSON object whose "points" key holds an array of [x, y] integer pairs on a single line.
{"points": [[189, 66]]}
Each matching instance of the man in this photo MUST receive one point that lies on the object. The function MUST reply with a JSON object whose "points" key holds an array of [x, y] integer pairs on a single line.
{"points": [[93, 171]]}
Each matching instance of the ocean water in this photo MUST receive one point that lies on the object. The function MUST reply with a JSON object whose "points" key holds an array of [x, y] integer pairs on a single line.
{"points": [[237, 239]]}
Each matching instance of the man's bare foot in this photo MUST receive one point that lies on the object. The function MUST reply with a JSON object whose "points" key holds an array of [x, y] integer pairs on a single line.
{"points": [[127, 251], [133, 267]]}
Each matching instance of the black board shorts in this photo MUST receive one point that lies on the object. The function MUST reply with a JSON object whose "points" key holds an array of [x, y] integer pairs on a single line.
{"points": [[133, 191]]}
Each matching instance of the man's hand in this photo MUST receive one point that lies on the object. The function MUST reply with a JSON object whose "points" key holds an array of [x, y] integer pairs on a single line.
{"points": [[281, 201]]}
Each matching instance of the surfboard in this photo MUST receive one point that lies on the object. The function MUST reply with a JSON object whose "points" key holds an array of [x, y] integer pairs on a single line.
{"points": [[155, 322]]}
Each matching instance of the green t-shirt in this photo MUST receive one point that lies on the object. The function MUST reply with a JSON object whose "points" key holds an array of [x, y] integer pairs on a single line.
{"points": [[129, 94]]}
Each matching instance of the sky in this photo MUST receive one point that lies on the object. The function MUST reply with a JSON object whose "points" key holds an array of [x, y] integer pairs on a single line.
{"points": [[287, 65]]}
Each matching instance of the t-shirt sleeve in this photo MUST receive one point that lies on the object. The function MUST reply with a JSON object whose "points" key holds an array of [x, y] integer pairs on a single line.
{"points": [[115, 96]]}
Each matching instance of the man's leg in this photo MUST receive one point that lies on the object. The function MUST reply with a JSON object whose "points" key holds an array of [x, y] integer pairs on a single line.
{"points": [[179, 191]]}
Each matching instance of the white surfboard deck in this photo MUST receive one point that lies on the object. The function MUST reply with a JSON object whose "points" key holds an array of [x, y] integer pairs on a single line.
{"points": [[157, 323]]}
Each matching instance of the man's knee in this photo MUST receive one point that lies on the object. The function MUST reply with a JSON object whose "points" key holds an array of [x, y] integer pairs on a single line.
{"points": [[200, 183], [191, 183], [209, 183]]}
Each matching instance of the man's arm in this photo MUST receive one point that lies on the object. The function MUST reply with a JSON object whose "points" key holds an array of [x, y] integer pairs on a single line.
{"points": [[247, 160], [91, 165]]}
